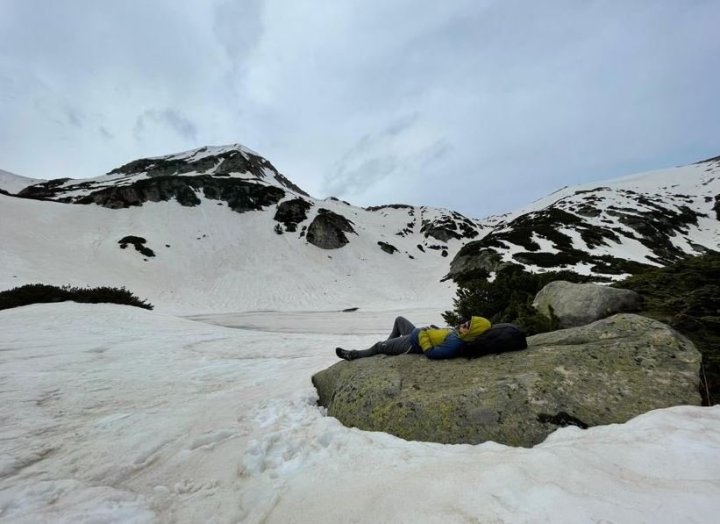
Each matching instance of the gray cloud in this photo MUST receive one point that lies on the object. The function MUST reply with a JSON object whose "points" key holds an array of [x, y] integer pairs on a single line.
{"points": [[74, 117], [409, 101], [107, 135], [238, 26], [398, 151], [168, 118]]}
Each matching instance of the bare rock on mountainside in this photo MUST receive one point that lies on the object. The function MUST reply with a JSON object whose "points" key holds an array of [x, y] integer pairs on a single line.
{"points": [[472, 259], [327, 230], [579, 304], [240, 195], [622, 227], [448, 227], [292, 212], [388, 248], [603, 373]]}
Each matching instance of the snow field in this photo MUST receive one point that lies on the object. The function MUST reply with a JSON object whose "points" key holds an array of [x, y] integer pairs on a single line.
{"points": [[224, 261], [117, 414]]}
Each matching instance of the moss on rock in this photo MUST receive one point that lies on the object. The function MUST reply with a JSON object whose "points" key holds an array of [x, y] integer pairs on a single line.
{"points": [[607, 372]]}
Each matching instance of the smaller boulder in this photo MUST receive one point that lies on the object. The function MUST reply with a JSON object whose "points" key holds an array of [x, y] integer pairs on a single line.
{"points": [[388, 248], [327, 230], [580, 304]]}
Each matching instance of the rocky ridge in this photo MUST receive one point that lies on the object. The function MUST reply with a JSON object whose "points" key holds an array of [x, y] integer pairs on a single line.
{"points": [[608, 230], [245, 181]]}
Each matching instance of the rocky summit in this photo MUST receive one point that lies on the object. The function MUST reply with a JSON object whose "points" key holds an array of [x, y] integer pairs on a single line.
{"points": [[244, 181], [606, 372]]}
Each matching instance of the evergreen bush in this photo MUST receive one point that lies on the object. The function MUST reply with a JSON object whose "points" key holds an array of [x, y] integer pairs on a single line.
{"points": [[686, 295], [43, 293], [507, 298]]}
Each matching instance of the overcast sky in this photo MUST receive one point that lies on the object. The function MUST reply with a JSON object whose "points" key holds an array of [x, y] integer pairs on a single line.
{"points": [[479, 106]]}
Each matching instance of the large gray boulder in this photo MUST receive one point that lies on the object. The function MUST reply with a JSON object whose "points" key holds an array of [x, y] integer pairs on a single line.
{"points": [[606, 372], [579, 304]]}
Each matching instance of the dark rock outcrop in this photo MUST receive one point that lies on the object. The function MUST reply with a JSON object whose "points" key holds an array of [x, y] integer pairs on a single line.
{"points": [[292, 212], [240, 195], [232, 174], [569, 232], [327, 230], [448, 227], [473, 260], [579, 304], [138, 243], [388, 248], [220, 164], [603, 373], [43, 190]]}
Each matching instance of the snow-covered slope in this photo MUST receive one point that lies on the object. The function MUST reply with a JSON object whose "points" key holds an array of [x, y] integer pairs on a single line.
{"points": [[117, 414], [12, 183], [610, 228], [219, 229]]}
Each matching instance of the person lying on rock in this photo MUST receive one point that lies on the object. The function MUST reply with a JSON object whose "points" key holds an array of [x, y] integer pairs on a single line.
{"points": [[433, 342]]}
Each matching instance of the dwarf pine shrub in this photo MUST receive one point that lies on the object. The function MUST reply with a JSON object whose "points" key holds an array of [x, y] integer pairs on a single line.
{"points": [[43, 293], [686, 295], [507, 298]]}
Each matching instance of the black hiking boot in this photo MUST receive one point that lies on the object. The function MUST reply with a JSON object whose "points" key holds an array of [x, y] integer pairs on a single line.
{"points": [[346, 354]]}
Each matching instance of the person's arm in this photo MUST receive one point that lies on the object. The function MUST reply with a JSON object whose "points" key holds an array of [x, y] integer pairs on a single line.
{"points": [[449, 348]]}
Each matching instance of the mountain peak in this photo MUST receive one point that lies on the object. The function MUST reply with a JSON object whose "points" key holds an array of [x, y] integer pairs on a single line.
{"points": [[206, 151], [209, 165]]}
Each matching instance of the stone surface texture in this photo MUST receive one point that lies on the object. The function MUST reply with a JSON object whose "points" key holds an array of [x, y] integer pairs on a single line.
{"points": [[603, 373], [579, 304]]}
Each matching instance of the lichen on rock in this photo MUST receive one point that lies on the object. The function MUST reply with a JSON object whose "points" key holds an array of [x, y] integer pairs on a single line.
{"points": [[603, 373], [579, 304]]}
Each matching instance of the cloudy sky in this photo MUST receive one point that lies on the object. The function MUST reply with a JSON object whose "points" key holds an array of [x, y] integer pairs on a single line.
{"points": [[479, 105]]}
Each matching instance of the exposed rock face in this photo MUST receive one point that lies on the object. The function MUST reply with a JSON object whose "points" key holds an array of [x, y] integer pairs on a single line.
{"points": [[473, 260], [388, 248], [239, 195], [222, 163], [453, 226], [327, 230], [606, 372], [138, 243], [660, 218], [43, 190], [234, 174], [579, 304], [292, 212]]}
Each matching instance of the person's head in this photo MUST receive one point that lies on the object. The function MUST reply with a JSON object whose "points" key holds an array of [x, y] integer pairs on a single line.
{"points": [[473, 328], [464, 327]]}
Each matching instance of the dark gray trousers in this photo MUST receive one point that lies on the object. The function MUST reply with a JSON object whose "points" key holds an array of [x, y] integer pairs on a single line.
{"points": [[397, 343]]}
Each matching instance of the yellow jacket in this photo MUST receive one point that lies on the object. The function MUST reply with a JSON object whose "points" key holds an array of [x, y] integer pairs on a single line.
{"points": [[447, 341]]}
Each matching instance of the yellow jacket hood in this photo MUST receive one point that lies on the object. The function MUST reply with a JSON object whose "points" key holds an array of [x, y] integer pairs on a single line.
{"points": [[478, 326]]}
